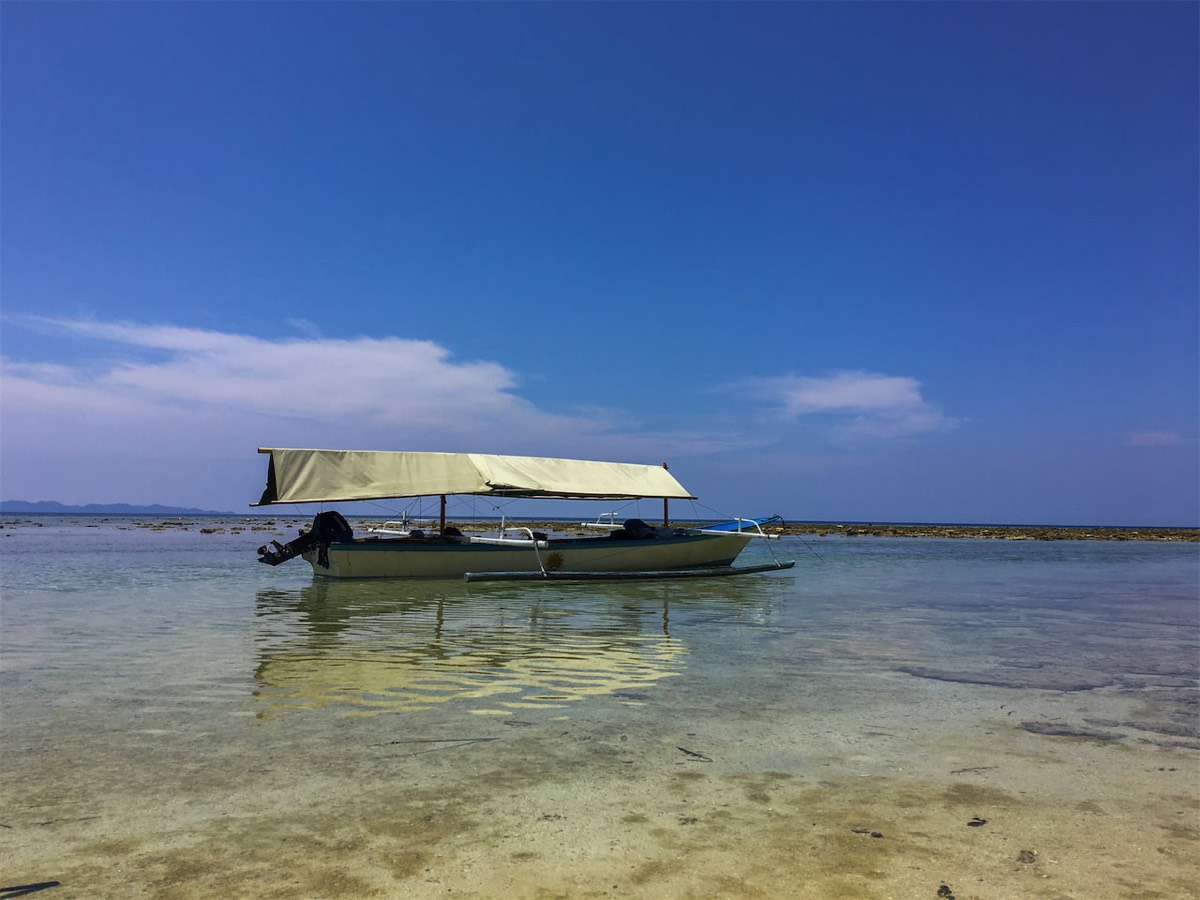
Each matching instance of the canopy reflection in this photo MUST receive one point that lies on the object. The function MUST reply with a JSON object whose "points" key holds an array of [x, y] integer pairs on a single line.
{"points": [[397, 647]]}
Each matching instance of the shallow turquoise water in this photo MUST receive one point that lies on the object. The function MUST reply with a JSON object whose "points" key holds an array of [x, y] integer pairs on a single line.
{"points": [[98, 612]]}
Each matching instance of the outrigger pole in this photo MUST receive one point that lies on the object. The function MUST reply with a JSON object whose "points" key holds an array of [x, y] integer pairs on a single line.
{"points": [[712, 572]]}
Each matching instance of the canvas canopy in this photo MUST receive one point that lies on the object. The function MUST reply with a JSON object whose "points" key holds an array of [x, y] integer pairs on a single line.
{"points": [[328, 476]]}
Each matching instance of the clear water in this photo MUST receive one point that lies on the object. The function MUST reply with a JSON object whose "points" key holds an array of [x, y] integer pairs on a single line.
{"points": [[181, 721]]}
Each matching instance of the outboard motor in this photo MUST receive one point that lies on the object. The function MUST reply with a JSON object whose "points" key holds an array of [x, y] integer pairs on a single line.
{"points": [[327, 528]]}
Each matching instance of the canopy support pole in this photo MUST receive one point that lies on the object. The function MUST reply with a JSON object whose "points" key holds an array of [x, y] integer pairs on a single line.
{"points": [[666, 517], [442, 519]]}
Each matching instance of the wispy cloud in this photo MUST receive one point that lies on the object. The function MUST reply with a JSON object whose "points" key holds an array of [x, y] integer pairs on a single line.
{"points": [[1156, 439], [857, 404], [305, 328]]}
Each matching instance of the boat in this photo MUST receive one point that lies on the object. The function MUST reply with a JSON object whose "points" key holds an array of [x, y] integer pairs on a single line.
{"points": [[633, 548]]}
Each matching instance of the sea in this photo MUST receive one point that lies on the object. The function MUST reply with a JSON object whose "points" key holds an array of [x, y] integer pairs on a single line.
{"points": [[892, 718]]}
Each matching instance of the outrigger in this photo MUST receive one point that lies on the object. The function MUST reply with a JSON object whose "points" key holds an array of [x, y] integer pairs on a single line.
{"points": [[628, 550]]}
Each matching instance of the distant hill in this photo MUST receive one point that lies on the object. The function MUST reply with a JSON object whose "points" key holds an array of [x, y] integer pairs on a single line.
{"points": [[52, 507]]}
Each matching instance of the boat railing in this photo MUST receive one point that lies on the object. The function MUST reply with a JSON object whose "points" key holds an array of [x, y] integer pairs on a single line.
{"points": [[755, 531], [394, 527], [525, 541], [599, 525]]}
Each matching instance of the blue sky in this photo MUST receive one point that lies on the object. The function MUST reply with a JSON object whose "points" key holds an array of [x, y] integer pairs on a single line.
{"points": [[890, 262]]}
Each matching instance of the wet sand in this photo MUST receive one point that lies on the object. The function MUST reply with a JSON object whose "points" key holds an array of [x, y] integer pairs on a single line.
{"points": [[1004, 532], [287, 526], [858, 529]]}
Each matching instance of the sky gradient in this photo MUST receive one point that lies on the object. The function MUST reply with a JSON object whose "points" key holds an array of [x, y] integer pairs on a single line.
{"points": [[871, 262]]}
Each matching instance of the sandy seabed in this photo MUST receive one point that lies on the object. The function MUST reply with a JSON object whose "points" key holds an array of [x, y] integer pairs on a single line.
{"points": [[919, 789]]}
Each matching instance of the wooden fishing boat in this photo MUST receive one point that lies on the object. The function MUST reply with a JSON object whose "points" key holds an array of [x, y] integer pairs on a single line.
{"points": [[632, 548]]}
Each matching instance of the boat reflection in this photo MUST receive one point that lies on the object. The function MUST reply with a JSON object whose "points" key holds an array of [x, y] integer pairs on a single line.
{"points": [[372, 647]]}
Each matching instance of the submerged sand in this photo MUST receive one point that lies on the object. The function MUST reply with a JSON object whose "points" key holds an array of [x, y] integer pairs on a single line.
{"points": [[916, 788]]}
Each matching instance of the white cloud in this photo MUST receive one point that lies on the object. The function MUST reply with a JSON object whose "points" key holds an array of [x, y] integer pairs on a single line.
{"points": [[256, 387], [860, 404], [181, 400], [161, 413]]}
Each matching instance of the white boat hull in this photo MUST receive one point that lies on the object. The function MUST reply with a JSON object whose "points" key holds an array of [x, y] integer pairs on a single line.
{"points": [[403, 558]]}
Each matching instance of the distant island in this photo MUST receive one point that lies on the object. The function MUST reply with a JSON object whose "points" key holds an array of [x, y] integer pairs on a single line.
{"points": [[53, 507]]}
